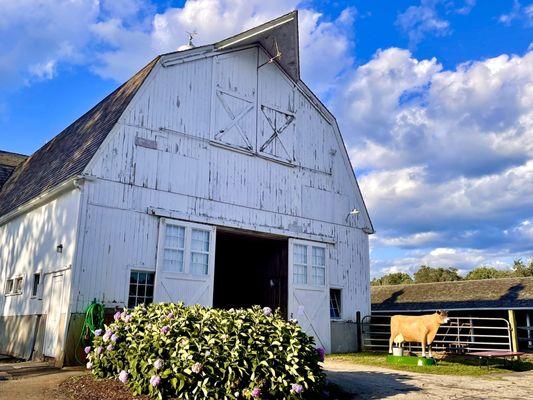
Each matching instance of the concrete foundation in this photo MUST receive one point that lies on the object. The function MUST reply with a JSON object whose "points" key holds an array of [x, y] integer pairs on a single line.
{"points": [[344, 337]]}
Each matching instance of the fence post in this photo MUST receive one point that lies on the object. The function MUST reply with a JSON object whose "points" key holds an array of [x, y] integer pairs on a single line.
{"points": [[358, 334], [514, 337]]}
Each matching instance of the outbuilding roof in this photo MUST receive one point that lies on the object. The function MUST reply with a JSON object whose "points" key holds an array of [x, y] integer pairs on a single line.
{"points": [[506, 293], [8, 162], [67, 154]]}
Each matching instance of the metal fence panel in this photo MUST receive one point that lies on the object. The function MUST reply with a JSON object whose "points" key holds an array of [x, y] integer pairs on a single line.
{"points": [[459, 335]]}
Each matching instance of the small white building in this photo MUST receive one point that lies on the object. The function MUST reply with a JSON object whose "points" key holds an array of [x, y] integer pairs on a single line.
{"points": [[213, 176]]}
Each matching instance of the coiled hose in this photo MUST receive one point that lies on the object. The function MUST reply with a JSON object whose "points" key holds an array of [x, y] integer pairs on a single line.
{"points": [[94, 319]]}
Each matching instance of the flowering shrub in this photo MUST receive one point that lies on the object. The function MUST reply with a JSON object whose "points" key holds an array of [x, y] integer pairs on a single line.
{"points": [[169, 350]]}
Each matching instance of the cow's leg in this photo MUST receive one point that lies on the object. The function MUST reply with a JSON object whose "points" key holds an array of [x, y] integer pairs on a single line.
{"points": [[430, 355], [391, 342], [424, 340]]}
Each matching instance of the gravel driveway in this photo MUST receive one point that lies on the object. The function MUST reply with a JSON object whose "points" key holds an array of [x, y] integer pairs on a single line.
{"points": [[366, 382]]}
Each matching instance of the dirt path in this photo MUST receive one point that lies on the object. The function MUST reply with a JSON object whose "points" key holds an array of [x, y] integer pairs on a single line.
{"points": [[36, 383], [367, 382]]}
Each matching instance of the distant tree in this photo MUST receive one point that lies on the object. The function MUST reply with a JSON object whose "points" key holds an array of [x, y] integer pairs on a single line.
{"points": [[520, 269], [395, 278], [488, 273], [426, 274]]}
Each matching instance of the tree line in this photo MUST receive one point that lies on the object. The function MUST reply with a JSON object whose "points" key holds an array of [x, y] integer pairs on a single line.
{"points": [[427, 274]]}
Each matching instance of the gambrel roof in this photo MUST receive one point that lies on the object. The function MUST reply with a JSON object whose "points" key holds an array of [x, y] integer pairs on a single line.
{"points": [[67, 154]]}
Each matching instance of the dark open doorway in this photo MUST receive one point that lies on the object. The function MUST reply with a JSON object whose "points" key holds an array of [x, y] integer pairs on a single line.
{"points": [[250, 270]]}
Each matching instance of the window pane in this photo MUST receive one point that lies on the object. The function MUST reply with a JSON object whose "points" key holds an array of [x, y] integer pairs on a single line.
{"points": [[35, 288], [200, 240], [300, 254], [175, 236], [319, 256], [335, 303], [18, 285], [9, 286], [173, 260], [300, 274], [319, 276], [199, 263]]}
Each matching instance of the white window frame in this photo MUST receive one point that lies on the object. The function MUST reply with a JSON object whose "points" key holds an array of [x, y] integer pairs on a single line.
{"points": [[310, 283], [189, 226], [13, 291], [143, 271]]}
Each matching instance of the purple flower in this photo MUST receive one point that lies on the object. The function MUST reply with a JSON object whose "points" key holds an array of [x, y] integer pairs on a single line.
{"points": [[170, 315], [107, 335], [123, 376], [165, 329], [267, 311], [98, 350], [127, 318], [98, 332], [296, 388], [117, 315], [158, 364], [87, 350], [321, 353], [89, 365], [196, 368], [256, 392], [155, 380], [110, 347], [114, 337]]}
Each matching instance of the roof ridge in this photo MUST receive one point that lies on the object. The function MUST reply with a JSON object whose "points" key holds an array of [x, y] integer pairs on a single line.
{"points": [[453, 282]]}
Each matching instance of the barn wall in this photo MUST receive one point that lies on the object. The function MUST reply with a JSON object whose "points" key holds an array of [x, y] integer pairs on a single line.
{"points": [[28, 246], [163, 155]]}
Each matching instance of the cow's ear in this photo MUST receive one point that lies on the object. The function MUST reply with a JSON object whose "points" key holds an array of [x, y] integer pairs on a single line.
{"points": [[439, 312]]}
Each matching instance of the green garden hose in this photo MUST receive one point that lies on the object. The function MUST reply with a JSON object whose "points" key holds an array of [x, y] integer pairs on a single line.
{"points": [[94, 319]]}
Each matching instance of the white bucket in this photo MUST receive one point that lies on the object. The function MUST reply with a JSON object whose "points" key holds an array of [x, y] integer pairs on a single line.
{"points": [[397, 351]]}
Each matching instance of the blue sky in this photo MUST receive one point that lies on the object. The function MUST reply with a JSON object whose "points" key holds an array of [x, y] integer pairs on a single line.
{"points": [[434, 98]]}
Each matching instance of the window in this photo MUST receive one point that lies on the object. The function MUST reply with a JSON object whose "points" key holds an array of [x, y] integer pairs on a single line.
{"points": [[300, 264], [335, 303], [309, 265], [186, 248], [199, 252], [35, 286], [174, 248], [319, 266], [141, 288], [10, 284]]}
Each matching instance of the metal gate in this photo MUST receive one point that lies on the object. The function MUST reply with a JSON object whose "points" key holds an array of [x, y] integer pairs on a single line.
{"points": [[459, 335]]}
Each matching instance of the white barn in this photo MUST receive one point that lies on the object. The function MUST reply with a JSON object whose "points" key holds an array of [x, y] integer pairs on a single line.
{"points": [[213, 176]]}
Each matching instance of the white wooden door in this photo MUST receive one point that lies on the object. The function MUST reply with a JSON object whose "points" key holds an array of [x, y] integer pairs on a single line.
{"points": [[53, 315], [185, 263], [309, 289]]}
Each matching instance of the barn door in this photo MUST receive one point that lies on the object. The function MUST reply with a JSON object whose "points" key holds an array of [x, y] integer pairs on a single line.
{"points": [[185, 263], [234, 99], [54, 306], [308, 289], [276, 116]]}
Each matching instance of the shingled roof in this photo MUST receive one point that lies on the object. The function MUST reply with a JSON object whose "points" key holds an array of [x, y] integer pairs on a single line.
{"points": [[507, 293], [67, 154], [8, 163]]}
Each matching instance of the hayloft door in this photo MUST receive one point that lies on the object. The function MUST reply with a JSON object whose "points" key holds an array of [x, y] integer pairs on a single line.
{"points": [[308, 289], [185, 263]]}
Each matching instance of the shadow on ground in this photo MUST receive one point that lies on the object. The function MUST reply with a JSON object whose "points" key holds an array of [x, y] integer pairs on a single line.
{"points": [[372, 385]]}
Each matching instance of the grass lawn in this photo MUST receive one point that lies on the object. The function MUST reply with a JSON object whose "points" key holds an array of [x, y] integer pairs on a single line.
{"points": [[447, 365]]}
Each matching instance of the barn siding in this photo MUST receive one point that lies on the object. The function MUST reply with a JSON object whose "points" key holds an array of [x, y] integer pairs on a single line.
{"points": [[161, 156]]}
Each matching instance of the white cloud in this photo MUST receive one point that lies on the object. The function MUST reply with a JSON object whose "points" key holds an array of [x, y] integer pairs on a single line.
{"points": [[418, 21], [518, 13]]}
